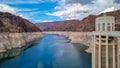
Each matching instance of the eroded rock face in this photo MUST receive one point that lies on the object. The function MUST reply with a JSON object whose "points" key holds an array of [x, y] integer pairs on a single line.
{"points": [[15, 34], [11, 44], [16, 24]]}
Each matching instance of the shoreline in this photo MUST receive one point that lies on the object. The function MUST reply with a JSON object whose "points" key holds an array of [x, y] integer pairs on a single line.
{"points": [[14, 43], [15, 51], [83, 38], [87, 49]]}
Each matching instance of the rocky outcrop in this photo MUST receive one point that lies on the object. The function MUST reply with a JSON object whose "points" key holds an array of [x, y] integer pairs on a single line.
{"points": [[12, 23], [11, 44], [16, 34], [83, 38]]}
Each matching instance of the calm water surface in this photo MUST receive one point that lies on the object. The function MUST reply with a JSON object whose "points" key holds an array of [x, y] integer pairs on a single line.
{"points": [[53, 51]]}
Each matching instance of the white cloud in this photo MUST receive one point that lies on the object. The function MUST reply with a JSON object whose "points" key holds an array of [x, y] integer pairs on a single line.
{"points": [[25, 17], [25, 1], [53, 0], [6, 8], [29, 15], [43, 21], [26, 9], [77, 10], [108, 10], [21, 1], [58, 8], [22, 12], [72, 11]]}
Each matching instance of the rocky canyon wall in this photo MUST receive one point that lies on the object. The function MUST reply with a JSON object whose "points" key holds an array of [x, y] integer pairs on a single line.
{"points": [[11, 44], [83, 38]]}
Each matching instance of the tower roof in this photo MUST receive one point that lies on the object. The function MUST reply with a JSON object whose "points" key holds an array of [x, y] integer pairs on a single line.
{"points": [[104, 14]]}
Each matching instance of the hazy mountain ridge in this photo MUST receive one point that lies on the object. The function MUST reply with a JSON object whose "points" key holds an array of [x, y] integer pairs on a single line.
{"points": [[46, 25], [85, 25], [62, 24]]}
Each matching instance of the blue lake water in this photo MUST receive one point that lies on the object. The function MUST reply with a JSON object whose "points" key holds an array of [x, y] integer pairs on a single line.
{"points": [[53, 51]]}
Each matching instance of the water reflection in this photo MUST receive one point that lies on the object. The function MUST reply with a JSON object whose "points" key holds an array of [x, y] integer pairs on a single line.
{"points": [[51, 52]]}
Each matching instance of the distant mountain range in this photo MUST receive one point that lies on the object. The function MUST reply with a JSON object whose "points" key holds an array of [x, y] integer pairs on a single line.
{"points": [[85, 25], [59, 25], [13, 23], [45, 25]]}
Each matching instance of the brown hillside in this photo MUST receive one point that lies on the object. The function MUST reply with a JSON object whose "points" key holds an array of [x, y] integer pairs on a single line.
{"points": [[64, 26], [85, 25], [12, 23]]}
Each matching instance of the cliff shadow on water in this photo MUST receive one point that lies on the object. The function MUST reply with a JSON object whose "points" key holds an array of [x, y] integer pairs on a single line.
{"points": [[86, 57], [12, 53]]}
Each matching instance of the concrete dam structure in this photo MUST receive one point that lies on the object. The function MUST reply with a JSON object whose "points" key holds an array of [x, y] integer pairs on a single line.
{"points": [[105, 49]]}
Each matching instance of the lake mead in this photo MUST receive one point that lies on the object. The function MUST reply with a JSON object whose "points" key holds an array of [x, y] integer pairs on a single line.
{"points": [[53, 51]]}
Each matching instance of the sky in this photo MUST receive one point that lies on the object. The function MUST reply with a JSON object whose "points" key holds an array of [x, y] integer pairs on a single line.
{"points": [[57, 10]]}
